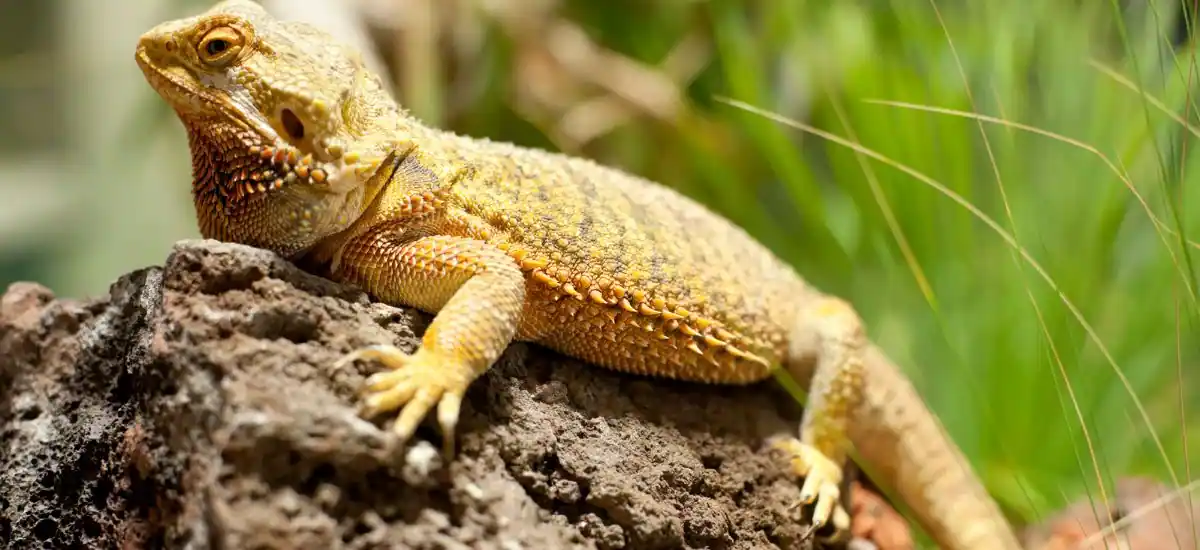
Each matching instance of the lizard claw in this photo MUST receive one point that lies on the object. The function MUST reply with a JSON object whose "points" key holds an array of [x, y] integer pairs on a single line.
{"points": [[415, 384], [822, 484]]}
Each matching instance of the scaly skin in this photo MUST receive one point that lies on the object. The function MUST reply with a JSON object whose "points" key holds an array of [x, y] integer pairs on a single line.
{"points": [[297, 148]]}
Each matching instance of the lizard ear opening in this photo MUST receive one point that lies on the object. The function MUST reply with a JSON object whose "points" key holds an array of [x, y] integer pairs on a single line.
{"points": [[291, 124]]}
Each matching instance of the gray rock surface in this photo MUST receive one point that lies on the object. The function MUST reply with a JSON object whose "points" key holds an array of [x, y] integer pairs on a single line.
{"points": [[195, 406]]}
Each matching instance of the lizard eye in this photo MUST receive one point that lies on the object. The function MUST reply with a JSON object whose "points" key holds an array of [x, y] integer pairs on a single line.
{"points": [[215, 46], [220, 46]]}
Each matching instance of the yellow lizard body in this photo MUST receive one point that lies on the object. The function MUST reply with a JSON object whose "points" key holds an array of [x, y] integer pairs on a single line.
{"points": [[298, 148]]}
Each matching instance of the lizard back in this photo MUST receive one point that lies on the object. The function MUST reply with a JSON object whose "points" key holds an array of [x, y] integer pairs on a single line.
{"points": [[697, 296]]}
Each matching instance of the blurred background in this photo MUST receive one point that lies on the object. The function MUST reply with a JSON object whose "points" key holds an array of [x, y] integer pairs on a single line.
{"points": [[1007, 190]]}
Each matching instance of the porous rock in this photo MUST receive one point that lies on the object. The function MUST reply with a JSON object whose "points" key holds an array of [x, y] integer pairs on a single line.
{"points": [[196, 406]]}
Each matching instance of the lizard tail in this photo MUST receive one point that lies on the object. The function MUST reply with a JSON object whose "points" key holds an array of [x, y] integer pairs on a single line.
{"points": [[906, 445]]}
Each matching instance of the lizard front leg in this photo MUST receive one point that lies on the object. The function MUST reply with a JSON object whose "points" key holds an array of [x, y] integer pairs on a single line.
{"points": [[826, 349], [477, 292]]}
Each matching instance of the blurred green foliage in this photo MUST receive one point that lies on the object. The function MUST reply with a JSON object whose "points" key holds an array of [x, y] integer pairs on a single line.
{"points": [[1051, 384]]}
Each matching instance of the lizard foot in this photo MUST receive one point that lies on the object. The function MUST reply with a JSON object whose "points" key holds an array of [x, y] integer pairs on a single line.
{"points": [[414, 385], [822, 480]]}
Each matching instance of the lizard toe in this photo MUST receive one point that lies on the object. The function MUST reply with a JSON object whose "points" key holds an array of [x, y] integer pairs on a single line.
{"points": [[416, 384], [391, 357], [822, 484]]}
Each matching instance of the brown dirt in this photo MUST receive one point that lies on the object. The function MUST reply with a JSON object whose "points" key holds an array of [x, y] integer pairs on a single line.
{"points": [[195, 406]]}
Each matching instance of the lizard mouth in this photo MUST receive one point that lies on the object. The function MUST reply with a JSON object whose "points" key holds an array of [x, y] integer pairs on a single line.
{"points": [[188, 94]]}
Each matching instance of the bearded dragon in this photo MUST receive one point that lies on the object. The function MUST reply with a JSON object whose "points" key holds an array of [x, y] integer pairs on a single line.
{"points": [[298, 148]]}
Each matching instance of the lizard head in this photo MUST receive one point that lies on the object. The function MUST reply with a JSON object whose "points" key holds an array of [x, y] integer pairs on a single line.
{"points": [[286, 125]]}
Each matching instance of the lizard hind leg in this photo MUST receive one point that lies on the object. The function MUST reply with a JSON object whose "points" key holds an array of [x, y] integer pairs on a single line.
{"points": [[828, 337]]}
